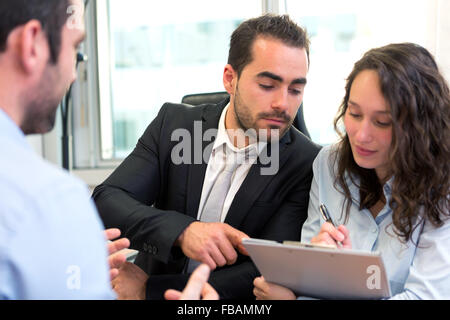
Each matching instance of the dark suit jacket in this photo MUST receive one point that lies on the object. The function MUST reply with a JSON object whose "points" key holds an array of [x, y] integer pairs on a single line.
{"points": [[152, 200]]}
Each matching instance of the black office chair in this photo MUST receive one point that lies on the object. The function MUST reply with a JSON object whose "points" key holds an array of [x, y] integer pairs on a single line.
{"points": [[216, 97]]}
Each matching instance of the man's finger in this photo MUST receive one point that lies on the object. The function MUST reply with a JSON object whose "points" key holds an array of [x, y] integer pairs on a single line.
{"points": [[112, 234], [242, 249], [117, 260], [172, 294], [118, 245], [218, 257], [113, 273], [209, 293], [235, 236], [208, 260], [195, 284], [228, 252]]}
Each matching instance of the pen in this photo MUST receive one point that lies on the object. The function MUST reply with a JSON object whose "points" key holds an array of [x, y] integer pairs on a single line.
{"points": [[326, 215]]}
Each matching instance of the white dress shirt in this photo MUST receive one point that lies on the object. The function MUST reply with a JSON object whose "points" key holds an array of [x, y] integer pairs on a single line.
{"points": [[246, 156]]}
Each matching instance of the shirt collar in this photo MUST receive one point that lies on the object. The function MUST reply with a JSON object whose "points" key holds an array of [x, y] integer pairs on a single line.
{"points": [[354, 190], [10, 130], [387, 188], [223, 138]]}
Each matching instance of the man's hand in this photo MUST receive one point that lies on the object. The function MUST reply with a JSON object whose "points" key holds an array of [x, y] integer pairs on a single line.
{"points": [[196, 288], [115, 259], [130, 283], [212, 243]]}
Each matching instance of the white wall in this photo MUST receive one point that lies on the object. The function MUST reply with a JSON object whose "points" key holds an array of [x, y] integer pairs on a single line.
{"points": [[443, 37]]}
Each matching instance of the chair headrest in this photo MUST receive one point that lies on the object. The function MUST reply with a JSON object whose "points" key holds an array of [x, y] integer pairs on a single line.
{"points": [[201, 98]]}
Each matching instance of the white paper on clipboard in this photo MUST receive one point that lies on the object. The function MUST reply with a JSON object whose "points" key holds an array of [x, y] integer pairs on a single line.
{"points": [[320, 272]]}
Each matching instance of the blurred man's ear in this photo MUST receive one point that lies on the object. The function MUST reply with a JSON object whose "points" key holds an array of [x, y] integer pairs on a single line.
{"points": [[230, 78], [32, 46]]}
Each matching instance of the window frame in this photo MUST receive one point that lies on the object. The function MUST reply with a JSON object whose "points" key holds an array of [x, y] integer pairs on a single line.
{"points": [[98, 45]]}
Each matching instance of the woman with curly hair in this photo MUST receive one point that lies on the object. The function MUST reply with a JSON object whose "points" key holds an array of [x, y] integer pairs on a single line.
{"points": [[387, 181]]}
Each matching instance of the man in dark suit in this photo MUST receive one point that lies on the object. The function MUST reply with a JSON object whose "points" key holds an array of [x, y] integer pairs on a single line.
{"points": [[174, 199]]}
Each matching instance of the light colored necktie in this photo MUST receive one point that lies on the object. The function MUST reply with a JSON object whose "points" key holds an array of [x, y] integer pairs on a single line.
{"points": [[212, 210]]}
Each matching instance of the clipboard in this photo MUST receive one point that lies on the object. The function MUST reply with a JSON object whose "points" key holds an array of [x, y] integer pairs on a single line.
{"points": [[321, 272]]}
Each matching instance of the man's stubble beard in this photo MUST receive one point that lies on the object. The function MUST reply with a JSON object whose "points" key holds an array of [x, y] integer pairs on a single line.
{"points": [[246, 122], [41, 105]]}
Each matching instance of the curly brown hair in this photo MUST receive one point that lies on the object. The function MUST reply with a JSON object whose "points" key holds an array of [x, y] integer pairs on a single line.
{"points": [[419, 100]]}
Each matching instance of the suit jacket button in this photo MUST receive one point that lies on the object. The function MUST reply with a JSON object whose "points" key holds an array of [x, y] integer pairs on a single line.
{"points": [[155, 250], [145, 247]]}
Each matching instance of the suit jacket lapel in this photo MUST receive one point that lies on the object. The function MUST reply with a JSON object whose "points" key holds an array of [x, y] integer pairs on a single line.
{"points": [[197, 171], [253, 186]]}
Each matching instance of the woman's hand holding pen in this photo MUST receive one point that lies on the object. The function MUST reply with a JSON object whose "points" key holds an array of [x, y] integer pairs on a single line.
{"points": [[330, 235]]}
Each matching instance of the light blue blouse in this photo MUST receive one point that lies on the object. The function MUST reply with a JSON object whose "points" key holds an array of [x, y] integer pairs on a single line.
{"points": [[421, 272]]}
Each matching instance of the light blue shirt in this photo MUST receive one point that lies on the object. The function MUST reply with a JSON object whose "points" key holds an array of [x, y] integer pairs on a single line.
{"points": [[414, 272], [51, 240]]}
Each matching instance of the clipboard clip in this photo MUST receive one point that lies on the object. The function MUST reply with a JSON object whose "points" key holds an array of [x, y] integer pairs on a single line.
{"points": [[308, 245]]}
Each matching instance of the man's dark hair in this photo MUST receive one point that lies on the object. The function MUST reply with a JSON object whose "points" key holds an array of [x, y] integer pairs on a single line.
{"points": [[279, 27], [52, 14]]}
